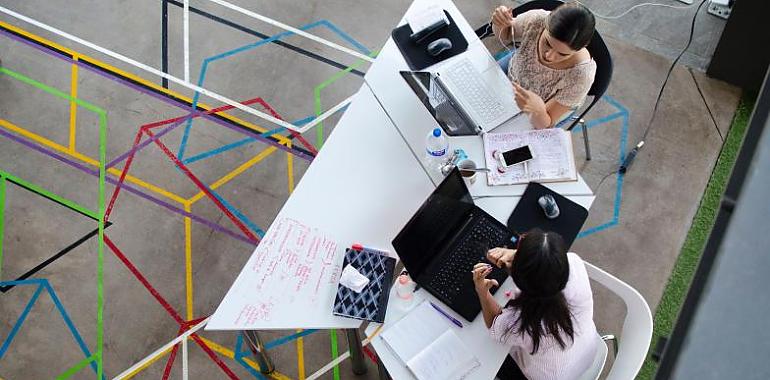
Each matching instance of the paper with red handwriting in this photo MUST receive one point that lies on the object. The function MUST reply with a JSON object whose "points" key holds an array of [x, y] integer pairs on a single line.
{"points": [[289, 282]]}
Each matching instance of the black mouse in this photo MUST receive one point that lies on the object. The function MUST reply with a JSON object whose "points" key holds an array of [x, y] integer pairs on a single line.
{"points": [[439, 46]]}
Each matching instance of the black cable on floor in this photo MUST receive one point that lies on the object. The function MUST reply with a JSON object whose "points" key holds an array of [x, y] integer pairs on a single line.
{"points": [[713, 120], [671, 69]]}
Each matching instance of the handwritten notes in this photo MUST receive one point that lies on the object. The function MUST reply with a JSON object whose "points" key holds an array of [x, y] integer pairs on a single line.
{"points": [[292, 274], [553, 159]]}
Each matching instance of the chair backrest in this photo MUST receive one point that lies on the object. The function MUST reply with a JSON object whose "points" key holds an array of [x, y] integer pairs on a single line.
{"points": [[634, 341], [600, 358], [547, 5]]}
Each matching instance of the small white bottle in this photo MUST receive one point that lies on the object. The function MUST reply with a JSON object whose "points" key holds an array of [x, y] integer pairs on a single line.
{"points": [[405, 291], [436, 149]]}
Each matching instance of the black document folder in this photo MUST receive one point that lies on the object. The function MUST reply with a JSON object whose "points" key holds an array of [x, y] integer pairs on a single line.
{"points": [[416, 54]]}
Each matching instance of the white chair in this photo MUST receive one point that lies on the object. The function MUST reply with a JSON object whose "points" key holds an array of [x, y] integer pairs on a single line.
{"points": [[596, 368], [631, 349]]}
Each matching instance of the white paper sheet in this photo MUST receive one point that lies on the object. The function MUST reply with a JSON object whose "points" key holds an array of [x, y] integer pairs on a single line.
{"points": [[294, 270], [553, 158]]}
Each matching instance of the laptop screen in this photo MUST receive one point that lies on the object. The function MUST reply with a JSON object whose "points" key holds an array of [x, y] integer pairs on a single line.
{"points": [[438, 102], [435, 221]]}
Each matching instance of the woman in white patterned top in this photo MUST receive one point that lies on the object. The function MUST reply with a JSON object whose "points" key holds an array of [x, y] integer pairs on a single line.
{"points": [[549, 320], [551, 69]]}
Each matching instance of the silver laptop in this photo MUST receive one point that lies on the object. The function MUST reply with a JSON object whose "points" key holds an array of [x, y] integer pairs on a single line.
{"points": [[467, 95]]}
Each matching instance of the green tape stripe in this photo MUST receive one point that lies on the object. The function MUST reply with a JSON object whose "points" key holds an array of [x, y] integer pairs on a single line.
{"points": [[326, 83], [2, 212], [99, 216], [335, 353], [47, 194], [51, 90], [77, 367], [100, 247]]}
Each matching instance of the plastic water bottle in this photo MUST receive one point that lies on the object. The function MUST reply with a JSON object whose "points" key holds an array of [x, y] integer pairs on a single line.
{"points": [[405, 291], [436, 149]]}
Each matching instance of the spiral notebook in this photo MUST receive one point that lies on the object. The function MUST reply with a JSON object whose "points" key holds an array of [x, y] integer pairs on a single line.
{"points": [[553, 159], [426, 342], [372, 302]]}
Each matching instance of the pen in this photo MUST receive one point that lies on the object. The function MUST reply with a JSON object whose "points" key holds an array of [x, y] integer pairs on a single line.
{"points": [[444, 313]]}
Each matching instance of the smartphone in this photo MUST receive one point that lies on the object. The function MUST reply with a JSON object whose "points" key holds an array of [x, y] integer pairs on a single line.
{"points": [[515, 156]]}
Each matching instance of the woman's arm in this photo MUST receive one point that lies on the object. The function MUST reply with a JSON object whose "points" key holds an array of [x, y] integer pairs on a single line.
{"points": [[489, 307], [542, 115]]}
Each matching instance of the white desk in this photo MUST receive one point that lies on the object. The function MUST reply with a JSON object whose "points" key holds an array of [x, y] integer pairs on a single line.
{"points": [[355, 191], [414, 121], [364, 186]]}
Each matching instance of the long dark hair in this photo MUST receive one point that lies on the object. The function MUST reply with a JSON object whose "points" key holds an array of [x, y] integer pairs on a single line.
{"points": [[540, 269], [573, 24]]}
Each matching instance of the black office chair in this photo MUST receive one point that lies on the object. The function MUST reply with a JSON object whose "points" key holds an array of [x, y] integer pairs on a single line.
{"points": [[598, 50]]}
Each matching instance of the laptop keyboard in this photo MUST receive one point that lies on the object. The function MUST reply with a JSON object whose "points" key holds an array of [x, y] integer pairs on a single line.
{"points": [[448, 279], [474, 92]]}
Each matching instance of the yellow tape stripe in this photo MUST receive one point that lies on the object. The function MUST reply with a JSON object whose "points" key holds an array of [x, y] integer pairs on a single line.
{"points": [[133, 77], [145, 365], [73, 105], [300, 358], [237, 171], [290, 168], [188, 261], [228, 353], [42, 140]]}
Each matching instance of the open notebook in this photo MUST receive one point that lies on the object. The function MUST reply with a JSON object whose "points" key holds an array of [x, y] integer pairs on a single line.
{"points": [[425, 341], [553, 159]]}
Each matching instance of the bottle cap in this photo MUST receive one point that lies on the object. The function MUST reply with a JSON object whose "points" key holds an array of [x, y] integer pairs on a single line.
{"points": [[437, 132]]}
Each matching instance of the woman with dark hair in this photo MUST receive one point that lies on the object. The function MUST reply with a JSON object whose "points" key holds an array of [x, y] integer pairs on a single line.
{"points": [[549, 319], [551, 69]]}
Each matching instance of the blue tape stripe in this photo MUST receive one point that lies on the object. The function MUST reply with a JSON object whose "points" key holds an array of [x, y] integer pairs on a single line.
{"points": [[239, 143], [70, 325], [345, 37], [624, 115], [246, 366], [21, 319], [221, 149], [204, 67], [288, 338], [238, 214], [239, 357]]}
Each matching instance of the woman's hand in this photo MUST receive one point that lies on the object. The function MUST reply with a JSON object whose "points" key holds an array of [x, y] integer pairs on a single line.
{"points": [[502, 17], [528, 101], [533, 105], [480, 281], [501, 257]]}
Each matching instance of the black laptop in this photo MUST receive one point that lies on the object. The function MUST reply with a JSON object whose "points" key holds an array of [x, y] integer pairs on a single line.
{"points": [[444, 239]]}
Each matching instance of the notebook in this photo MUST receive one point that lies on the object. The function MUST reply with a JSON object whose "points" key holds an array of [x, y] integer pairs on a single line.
{"points": [[372, 302], [553, 159], [426, 342]]}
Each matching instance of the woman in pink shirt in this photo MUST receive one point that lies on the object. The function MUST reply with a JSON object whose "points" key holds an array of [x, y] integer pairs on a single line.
{"points": [[549, 320]]}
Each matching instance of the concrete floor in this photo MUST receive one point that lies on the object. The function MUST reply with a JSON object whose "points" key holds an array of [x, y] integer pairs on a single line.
{"points": [[659, 195]]}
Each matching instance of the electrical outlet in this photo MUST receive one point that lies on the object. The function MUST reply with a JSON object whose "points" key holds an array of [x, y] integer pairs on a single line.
{"points": [[720, 8]]}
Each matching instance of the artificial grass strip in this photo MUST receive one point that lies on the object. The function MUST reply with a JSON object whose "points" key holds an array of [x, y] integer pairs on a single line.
{"points": [[681, 276]]}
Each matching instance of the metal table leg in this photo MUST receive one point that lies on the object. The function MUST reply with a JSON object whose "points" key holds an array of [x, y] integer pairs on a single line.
{"points": [[258, 349], [382, 371], [356, 351]]}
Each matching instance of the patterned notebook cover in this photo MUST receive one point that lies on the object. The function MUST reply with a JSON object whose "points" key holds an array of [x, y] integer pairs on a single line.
{"points": [[372, 302]]}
